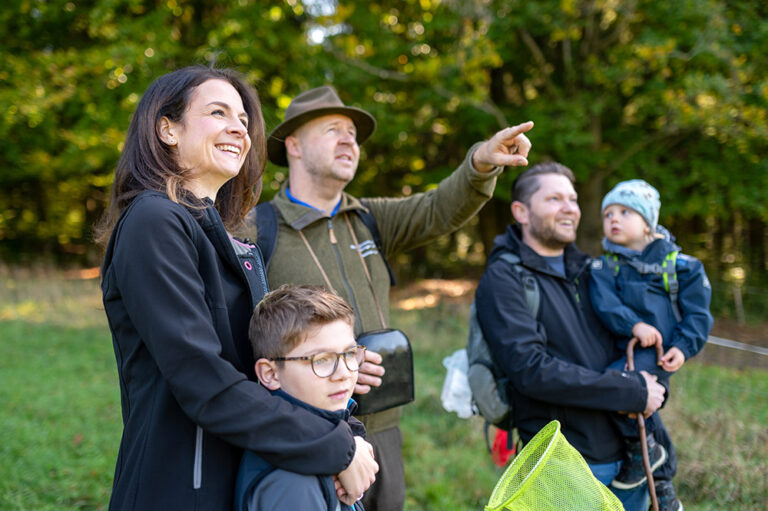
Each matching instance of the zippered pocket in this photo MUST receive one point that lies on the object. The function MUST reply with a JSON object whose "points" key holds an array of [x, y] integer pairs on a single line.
{"points": [[197, 469]]}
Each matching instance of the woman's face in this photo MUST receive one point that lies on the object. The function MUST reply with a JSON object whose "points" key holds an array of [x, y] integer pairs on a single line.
{"points": [[211, 141]]}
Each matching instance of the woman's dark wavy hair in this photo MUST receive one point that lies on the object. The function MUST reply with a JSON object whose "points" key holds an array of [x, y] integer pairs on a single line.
{"points": [[148, 163]]}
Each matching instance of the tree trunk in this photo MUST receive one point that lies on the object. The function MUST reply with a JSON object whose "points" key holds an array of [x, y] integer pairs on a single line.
{"points": [[755, 247], [493, 220], [591, 225]]}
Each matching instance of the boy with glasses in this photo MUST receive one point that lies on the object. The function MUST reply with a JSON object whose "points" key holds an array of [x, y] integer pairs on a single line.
{"points": [[306, 353]]}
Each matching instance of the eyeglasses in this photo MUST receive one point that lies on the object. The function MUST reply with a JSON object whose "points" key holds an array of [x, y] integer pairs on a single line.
{"points": [[325, 364]]}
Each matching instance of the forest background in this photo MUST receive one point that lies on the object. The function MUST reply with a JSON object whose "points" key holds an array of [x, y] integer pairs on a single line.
{"points": [[672, 92]]}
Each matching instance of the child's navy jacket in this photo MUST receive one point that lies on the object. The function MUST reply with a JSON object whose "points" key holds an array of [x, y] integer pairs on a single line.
{"points": [[625, 299]]}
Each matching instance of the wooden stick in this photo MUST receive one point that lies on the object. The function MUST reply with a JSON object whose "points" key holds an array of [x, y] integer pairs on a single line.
{"points": [[641, 427]]}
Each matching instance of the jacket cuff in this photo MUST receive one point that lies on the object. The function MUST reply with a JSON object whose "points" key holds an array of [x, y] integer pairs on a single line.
{"points": [[685, 347], [350, 455], [357, 427], [483, 182], [638, 403], [495, 171]]}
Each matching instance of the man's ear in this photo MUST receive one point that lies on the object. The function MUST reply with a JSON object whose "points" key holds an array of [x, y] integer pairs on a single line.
{"points": [[519, 212], [266, 372], [292, 146], [166, 130]]}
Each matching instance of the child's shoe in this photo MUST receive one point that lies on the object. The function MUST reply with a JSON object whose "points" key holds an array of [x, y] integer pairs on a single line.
{"points": [[632, 473], [665, 494]]}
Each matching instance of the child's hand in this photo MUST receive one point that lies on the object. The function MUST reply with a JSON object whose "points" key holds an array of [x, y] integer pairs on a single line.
{"points": [[672, 360], [646, 334]]}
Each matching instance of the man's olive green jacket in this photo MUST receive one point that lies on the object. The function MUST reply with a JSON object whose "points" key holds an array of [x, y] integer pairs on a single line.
{"points": [[403, 223]]}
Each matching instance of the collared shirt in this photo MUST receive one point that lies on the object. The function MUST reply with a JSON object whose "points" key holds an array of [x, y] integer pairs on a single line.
{"points": [[301, 202]]}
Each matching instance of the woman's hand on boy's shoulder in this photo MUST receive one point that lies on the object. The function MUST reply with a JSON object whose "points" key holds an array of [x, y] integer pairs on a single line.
{"points": [[354, 480]]}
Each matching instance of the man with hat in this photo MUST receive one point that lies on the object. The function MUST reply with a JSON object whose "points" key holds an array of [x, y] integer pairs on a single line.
{"points": [[323, 237]]}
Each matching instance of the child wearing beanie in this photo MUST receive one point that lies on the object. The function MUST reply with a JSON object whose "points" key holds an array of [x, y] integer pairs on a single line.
{"points": [[644, 287]]}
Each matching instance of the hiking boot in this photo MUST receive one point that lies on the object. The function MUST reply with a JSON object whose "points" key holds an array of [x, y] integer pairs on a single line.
{"points": [[665, 494], [632, 473]]}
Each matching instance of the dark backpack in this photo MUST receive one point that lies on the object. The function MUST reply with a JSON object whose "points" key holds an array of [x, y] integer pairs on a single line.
{"points": [[266, 232], [486, 380]]}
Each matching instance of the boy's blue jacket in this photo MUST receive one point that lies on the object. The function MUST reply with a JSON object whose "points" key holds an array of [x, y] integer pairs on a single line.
{"points": [[625, 299], [288, 490]]}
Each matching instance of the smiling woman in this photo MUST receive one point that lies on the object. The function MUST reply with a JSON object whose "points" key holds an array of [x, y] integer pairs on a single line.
{"points": [[178, 292], [212, 141]]}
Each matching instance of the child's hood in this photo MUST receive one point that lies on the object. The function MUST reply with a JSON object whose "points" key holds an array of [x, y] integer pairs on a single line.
{"points": [[655, 251]]}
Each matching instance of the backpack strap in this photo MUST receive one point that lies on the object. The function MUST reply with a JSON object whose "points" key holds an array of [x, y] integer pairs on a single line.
{"points": [[266, 232], [530, 285], [329, 494], [667, 269], [370, 222], [612, 261], [671, 284], [478, 353], [253, 469]]}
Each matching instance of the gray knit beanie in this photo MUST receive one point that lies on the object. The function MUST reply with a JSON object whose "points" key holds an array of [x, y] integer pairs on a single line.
{"points": [[638, 195]]}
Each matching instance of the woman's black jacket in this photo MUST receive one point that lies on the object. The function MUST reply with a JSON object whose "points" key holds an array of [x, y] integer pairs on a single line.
{"points": [[178, 299]]}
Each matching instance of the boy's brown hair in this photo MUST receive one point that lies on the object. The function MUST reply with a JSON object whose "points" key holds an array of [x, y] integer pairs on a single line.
{"points": [[283, 318]]}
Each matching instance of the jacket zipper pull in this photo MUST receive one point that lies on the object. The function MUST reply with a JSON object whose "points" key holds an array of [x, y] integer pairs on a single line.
{"points": [[331, 233]]}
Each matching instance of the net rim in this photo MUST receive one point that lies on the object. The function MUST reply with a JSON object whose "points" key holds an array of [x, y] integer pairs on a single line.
{"points": [[544, 432]]}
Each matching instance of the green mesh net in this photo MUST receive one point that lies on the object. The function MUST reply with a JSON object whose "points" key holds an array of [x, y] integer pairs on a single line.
{"points": [[549, 474]]}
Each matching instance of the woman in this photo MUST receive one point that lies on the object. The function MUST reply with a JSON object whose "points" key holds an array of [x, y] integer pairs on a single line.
{"points": [[178, 292]]}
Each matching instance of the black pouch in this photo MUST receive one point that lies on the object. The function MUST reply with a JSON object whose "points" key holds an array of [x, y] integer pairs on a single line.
{"points": [[397, 383]]}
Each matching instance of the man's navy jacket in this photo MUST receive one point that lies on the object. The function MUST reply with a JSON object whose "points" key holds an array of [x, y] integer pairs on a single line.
{"points": [[556, 362]]}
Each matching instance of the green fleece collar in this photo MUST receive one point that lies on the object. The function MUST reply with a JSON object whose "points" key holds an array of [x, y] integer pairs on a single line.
{"points": [[299, 217]]}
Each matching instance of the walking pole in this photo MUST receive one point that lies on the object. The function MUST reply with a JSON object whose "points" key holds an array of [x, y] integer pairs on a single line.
{"points": [[641, 424]]}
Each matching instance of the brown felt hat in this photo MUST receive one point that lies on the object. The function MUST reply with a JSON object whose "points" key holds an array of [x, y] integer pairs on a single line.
{"points": [[305, 107]]}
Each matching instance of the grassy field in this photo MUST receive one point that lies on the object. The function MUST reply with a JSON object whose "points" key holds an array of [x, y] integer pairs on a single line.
{"points": [[60, 414]]}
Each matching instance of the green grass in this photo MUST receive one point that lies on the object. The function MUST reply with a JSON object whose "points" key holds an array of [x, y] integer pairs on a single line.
{"points": [[60, 422], [718, 419], [60, 418]]}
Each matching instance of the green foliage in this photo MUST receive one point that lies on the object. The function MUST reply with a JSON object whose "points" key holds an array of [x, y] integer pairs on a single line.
{"points": [[675, 93]]}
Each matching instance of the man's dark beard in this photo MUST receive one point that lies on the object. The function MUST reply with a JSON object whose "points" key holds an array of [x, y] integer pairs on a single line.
{"points": [[547, 235]]}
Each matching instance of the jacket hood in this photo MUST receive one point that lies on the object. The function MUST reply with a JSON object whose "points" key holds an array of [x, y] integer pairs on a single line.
{"points": [[655, 251], [512, 241]]}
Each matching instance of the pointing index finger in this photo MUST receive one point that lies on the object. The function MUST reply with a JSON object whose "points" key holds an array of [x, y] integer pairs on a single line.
{"points": [[513, 131]]}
